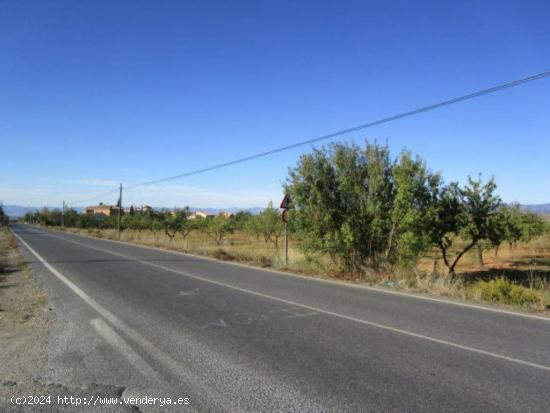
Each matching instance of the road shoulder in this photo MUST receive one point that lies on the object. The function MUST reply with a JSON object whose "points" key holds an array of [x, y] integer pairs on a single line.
{"points": [[25, 319]]}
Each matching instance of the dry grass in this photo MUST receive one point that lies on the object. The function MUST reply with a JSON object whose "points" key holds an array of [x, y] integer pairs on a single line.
{"points": [[239, 247], [20, 296], [524, 256]]}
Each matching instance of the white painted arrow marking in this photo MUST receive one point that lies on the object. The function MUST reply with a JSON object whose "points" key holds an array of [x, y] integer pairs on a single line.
{"points": [[194, 291], [219, 323], [294, 312]]}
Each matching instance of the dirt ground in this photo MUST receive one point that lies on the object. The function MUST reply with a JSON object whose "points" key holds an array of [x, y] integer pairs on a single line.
{"points": [[26, 319]]}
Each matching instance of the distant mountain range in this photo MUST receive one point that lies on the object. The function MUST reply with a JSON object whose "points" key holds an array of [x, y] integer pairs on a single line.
{"points": [[252, 210], [15, 211], [538, 208]]}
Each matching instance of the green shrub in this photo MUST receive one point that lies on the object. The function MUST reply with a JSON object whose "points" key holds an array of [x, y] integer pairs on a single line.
{"points": [[221, 254], [504, 291], [521, 295]]}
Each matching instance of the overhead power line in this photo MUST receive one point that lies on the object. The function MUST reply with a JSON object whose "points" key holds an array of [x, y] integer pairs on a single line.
{"points": [[349, 130], [388, 119], [79, 201]]}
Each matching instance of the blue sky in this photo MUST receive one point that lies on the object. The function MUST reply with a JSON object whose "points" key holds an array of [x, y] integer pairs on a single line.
{"points": [[95, 93]]}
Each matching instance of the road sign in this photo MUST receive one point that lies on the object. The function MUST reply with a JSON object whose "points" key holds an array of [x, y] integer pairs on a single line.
{"points": [[284, 217], [285, 203]]}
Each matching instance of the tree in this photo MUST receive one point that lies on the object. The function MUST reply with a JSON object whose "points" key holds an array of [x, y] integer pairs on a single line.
{"points": [[268, 224], [241, 220], [29, 218], [48, 217], [216, 228], [512, 224], [86, 221], [186, 225], [322, 219], [71, 217], [532, 226], [4, 219], [176, 222], [467, 213], [155, 224], [504, 226], [512, 217], [414, 190], [443, 218], [170, 224], [360, 207]]}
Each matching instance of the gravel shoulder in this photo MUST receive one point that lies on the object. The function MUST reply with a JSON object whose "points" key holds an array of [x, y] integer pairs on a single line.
{"points": [[27, 321]]}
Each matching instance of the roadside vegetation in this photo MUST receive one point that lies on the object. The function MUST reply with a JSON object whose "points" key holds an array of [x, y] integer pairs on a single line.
{"points": [[4, 219], [359, 214]]}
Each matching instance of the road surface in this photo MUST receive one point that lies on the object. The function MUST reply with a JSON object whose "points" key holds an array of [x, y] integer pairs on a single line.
{"points": [[234, 338]]}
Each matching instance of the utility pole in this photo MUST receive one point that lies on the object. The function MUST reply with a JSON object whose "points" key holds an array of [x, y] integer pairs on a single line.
{"points": [[119, 208], [63, 215]]}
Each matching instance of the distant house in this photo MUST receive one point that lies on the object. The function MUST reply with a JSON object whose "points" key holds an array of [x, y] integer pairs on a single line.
{"points": [[137, 209], [200, 214], [102, 209]]}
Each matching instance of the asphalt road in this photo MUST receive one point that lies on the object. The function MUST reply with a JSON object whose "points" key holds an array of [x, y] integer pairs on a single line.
{"points": [[234, 338]]}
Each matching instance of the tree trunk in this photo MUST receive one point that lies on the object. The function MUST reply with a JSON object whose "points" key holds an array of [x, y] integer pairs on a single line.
{"points": [[512, 247], [480, 255], [459, 256], [390, 242], [444, 255]]}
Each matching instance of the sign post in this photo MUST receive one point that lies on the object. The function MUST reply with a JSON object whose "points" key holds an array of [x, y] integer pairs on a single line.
{"points": [[285, 205], [119, 209], [286, 243]]}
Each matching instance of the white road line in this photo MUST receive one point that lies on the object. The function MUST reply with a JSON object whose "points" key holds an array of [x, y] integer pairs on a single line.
{"points": [[194, 291], [178, 369], [111, 337], [315, 279], [320, 310]]}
